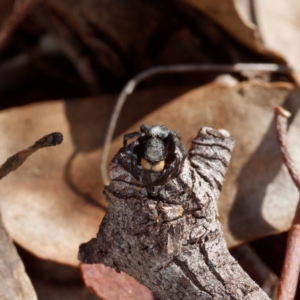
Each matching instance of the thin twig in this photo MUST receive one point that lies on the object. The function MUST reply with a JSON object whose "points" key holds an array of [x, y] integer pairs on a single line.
{"points": [[132, 84], [291, 267], [15, 161]]}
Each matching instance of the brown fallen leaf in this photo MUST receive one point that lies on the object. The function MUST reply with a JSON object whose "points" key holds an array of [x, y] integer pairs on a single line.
{"points": [[54, 281], [14, 282], [229, 17], [269, 29], [44, 209], [106, 49], [147, 22], [60, 291], [278, 25], [60, 196], [110, 285], [251, 204]]}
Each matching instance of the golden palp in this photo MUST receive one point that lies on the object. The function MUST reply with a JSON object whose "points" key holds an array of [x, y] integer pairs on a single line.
{"points": [[145, 164], [158, 167]]}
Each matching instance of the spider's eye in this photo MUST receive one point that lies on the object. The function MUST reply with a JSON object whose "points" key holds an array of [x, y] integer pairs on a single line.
{"points": [[158, 166], [145, 164]]}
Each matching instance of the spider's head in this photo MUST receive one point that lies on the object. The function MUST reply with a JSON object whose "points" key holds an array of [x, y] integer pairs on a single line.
{"points": [[153, 147], [159, 131], [157, 149]]}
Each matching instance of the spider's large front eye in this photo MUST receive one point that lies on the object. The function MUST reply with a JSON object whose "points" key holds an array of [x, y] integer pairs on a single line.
{"points": [[158, 167], [145, 164]]}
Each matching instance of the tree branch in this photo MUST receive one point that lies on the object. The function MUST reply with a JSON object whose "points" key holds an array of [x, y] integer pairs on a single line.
{"points": [[169, 237]]}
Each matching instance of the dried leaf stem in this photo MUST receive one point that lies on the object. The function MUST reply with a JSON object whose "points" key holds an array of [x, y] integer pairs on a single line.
{"points": [[15, 161], [291, 267], [132, 84]]}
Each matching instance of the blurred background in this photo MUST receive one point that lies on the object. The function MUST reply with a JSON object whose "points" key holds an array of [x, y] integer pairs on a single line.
{"points": [[62, 67]]}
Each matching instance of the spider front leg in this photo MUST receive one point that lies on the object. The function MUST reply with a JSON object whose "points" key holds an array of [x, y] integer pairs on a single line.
{"points": [[131, 135], [171, 170], [134, 165]]}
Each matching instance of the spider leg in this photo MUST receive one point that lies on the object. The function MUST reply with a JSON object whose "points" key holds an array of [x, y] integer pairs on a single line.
{"points": [[172, 170], [134, 166], [177, 141], [176, 138], [145, 128], [176, 134], [182, 150], [170, 143], [131, 135]]}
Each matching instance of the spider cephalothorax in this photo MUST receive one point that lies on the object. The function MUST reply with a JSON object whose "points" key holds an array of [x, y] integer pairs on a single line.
{"points": [[156, 150]]}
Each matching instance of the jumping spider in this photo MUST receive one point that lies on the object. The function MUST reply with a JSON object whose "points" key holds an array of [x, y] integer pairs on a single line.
{"points": [[156, 150]]}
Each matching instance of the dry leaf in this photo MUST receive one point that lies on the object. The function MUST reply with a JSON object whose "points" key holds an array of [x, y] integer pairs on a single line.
{"points": [[54, 202], [258, 197], [44, 208], [228, 16], [268, 27], [107, 42], [110, 285], [278, 24]]}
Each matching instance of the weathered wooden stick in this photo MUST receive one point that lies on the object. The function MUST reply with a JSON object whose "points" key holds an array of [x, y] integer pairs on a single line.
{"points": [[168, 237], [291, 267]]}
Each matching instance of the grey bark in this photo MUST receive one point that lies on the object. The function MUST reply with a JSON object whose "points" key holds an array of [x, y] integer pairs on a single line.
{"points": [[168, 237]]}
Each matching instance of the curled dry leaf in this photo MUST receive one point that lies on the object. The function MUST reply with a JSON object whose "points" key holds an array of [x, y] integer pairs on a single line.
{"points": [[108, 41], [60, 196], [269, 28], [40, 211], [278, 24], [228, 16], [110, 285]]}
